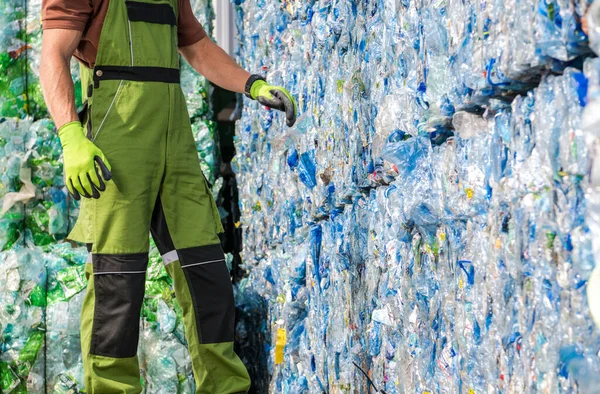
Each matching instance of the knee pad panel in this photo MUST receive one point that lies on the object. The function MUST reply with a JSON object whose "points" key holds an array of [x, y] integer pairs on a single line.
{"points": [[119, 282], [210, 287]]}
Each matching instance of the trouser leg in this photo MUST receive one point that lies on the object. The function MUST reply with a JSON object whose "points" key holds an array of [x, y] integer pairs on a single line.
{"points": [[185, 226], [204, 292]]}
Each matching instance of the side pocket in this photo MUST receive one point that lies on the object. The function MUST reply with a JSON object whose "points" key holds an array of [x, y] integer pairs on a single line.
{"points": [[90, 92], [102, 117], [89, 122], [85, 117]]}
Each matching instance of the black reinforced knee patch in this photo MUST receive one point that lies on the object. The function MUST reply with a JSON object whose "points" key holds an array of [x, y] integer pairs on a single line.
{"points": [[207, 278], [211, 290], [119, 292]]}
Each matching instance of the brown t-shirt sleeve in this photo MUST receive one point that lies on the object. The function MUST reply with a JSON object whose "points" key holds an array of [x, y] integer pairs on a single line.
{"points": [[66, 14], [189, 29]]}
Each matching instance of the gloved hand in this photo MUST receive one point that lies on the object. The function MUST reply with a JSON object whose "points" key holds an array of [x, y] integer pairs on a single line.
{"points": [[82, 159], [275, 97]]}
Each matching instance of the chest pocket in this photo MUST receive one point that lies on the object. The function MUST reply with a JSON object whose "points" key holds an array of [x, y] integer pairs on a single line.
{"points": [[153, 33]]}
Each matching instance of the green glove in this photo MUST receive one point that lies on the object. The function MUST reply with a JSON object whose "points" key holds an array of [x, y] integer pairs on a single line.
{"points": [[275, 97], [82, 159]]}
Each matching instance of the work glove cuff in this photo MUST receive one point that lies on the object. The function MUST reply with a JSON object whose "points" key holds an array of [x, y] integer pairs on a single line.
{"points": [[70, 131], [253, 84]]}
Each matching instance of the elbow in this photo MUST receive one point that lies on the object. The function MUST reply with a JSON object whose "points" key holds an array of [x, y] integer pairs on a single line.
{"points": [[198, 63], [51, 58], [197, 54], [54, 57], [50, 62]]}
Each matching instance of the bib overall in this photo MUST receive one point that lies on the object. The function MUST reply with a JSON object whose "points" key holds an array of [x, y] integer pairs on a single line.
{"points": [[136, 114]]}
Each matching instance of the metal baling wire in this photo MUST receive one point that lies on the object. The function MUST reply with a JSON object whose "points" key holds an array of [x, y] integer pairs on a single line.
{"points": [[368, 379]]}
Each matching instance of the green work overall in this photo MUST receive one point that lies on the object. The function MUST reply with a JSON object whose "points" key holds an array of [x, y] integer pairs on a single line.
{"points": [[136, 114]]}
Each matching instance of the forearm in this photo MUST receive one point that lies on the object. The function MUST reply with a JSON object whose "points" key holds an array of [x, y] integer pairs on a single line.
{"points": [[57, 85], [216, 65]]}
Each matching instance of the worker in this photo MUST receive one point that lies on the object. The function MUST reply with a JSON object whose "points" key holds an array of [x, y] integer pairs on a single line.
{"points": [[131, 158]]}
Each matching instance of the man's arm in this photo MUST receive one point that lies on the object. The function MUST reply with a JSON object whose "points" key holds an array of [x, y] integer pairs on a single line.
{"points": [[58, 46], [210, 60], [83, 161], [216, 65]]}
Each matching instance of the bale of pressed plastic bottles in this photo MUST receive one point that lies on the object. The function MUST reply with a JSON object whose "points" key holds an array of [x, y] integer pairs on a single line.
{"points": [[431, 221]]}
